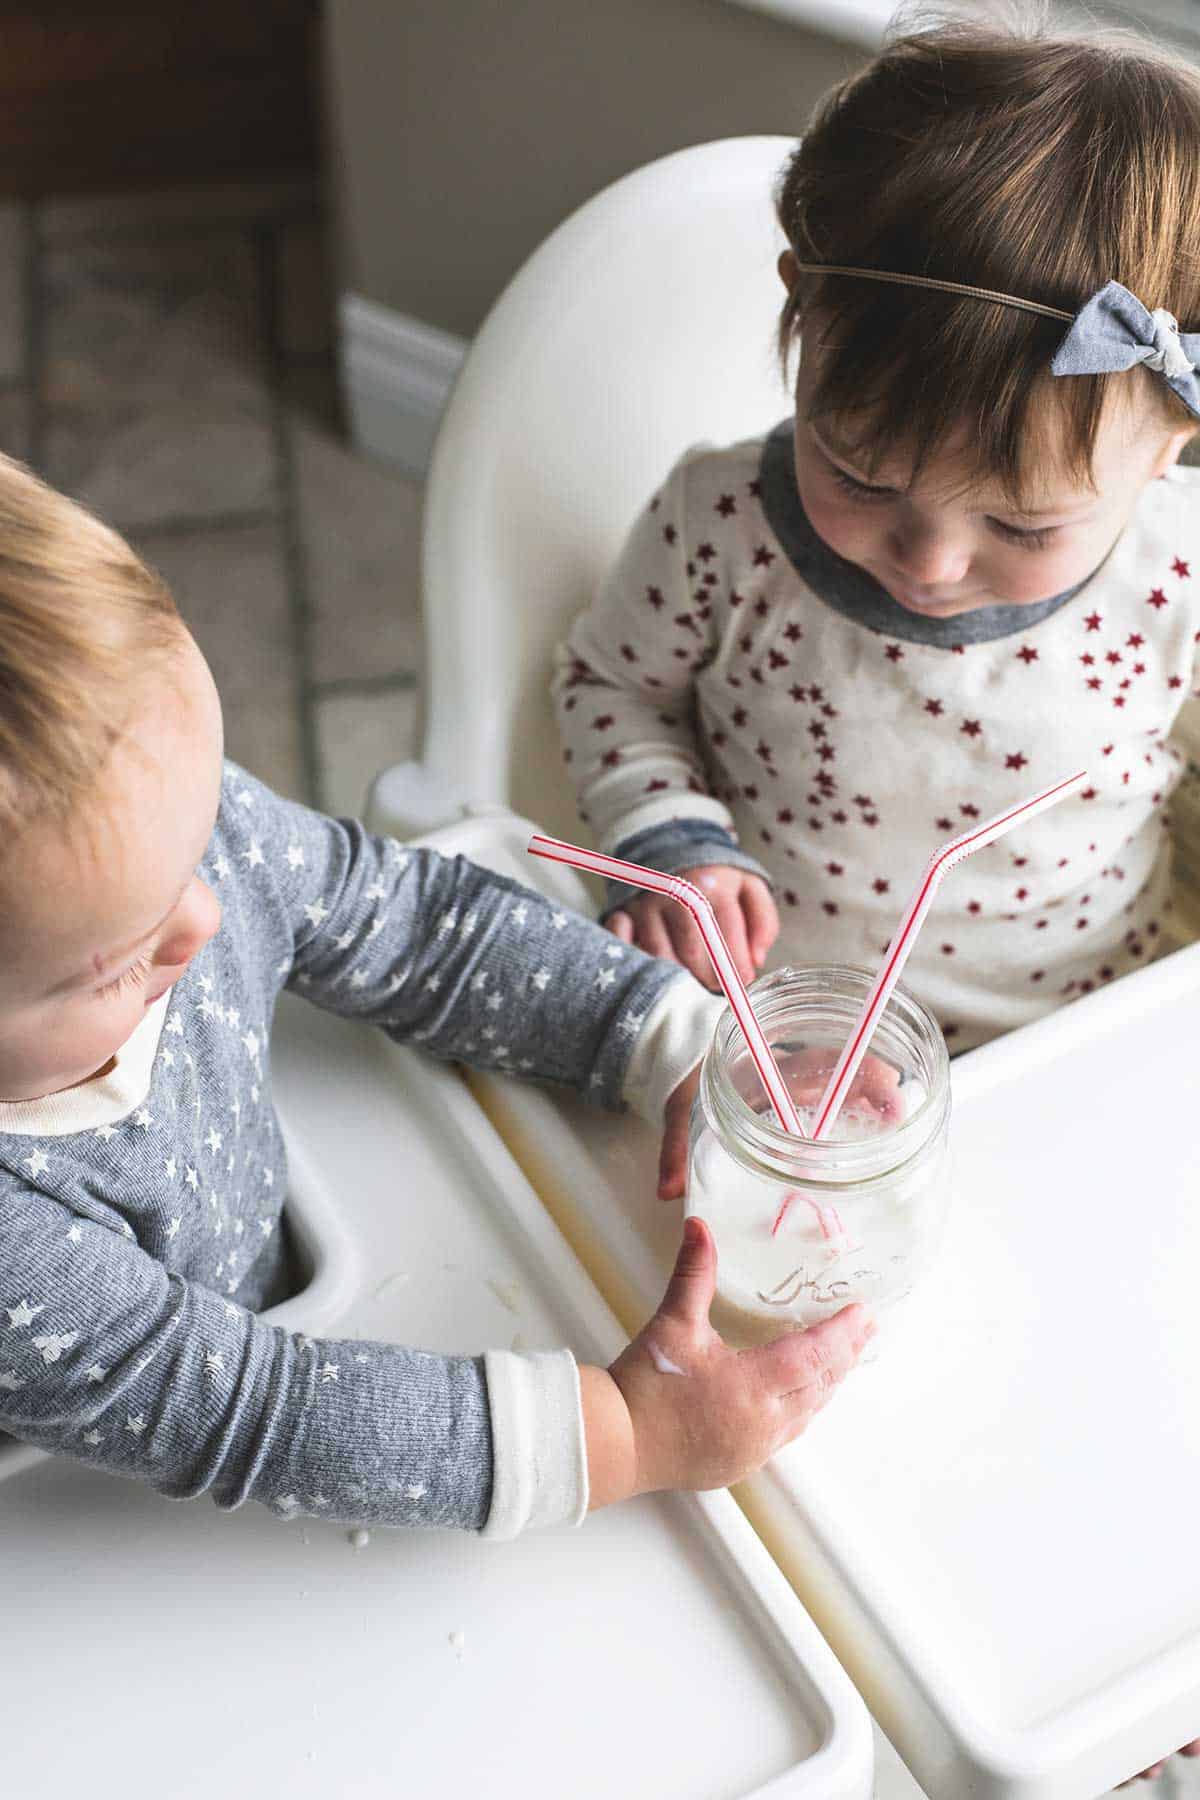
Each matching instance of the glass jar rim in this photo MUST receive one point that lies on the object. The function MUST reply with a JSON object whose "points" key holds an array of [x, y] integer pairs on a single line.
{"points": [[758, 1140]]}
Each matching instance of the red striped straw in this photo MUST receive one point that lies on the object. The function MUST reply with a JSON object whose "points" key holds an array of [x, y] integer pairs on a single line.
{"points": [[675, 888], [938, 866]]}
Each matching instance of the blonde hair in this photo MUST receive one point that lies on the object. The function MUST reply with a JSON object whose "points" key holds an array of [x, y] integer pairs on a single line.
{"points": [[1031, 161], [83, 621]]}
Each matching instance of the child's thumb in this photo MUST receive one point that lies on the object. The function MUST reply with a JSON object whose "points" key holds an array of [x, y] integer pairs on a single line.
{"points": [[690, 1289]]}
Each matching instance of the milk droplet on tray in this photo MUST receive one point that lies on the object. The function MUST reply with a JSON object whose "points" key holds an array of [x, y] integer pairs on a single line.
{"points": [[508, 1293], [458, 1643], [359, 1538]]}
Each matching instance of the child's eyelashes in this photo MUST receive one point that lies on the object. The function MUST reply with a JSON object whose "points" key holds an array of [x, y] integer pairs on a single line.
{"points": [[859, 489], [134, 976], [1032, 538], [1029, 539]]}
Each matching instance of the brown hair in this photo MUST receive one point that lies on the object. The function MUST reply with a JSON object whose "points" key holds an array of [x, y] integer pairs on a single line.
{"points": [[83, 621], [1034, 163]]}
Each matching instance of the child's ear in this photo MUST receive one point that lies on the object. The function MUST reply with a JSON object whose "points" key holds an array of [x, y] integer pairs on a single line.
{"points": [[788, 272], [1169, 454]]}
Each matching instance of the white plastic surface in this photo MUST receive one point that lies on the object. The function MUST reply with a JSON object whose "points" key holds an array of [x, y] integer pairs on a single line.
{"points": [[643, 324], [995, 1524], [158, 1649]]}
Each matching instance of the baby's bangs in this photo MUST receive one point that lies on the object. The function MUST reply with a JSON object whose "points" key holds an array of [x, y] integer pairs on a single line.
{"points": [[900, 372]]}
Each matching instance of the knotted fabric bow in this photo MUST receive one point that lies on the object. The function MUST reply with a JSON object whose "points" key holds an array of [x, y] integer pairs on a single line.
{"points": [[1114, 331]]}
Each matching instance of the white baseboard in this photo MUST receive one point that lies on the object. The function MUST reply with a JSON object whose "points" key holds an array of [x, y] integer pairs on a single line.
{"points": [[396, 375]]}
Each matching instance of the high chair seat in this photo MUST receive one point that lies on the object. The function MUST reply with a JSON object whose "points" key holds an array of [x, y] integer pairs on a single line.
{"points": [[643, 324]]}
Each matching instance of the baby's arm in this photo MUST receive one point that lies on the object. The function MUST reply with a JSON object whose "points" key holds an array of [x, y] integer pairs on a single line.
{"points": [[623, 690], [109, 1358], [112, 1360], [469, 965]]}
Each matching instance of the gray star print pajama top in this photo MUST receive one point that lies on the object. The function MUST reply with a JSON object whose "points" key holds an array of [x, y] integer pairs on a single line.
{"points": [[141, 1215]]}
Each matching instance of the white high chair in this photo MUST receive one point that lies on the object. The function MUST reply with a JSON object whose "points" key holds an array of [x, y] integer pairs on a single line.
{"points": [[643, 324], [1023, 1618]]}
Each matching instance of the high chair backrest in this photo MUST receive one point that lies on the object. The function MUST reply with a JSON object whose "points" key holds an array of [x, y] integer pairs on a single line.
{"points": [[645, 323]]}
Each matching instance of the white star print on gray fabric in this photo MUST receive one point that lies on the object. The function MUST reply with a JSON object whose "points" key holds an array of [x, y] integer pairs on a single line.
{"points": [[91, 1437], [605, 978], [327, 907], [22, 1314], [53, 1344], [11, 1381], [253, 853]]}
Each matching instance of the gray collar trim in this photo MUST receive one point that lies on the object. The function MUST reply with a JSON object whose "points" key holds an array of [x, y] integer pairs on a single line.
{"points": [[855, 594]]}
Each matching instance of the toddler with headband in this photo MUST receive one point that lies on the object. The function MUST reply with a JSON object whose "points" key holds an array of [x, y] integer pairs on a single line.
{"points": [[967, 566]]}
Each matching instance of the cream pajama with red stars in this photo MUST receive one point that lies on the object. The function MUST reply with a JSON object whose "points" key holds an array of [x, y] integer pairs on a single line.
{"points": [[739, 693]]}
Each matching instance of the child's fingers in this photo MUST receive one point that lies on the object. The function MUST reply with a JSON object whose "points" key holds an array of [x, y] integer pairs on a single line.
{"points": [[689, 946], [733, 928], [672, 1160], [652, 935], [802, 1364], [693, 1279], [762, 918], [621, 925]]}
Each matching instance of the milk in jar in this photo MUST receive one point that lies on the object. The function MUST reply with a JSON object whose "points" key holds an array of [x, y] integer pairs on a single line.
{"points": [[802, 1228]]}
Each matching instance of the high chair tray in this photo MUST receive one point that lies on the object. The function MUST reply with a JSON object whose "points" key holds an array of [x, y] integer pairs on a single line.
{"points": [[172, 1649], [995, 1523]]}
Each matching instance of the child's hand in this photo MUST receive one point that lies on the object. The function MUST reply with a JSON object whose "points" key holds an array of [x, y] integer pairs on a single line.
{"points": [[874, 1091], [673, 1157], [745, 912], [695, 1413]]}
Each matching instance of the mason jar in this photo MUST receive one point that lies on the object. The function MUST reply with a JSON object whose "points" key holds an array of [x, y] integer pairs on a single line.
{"points": [[802, 1228]]}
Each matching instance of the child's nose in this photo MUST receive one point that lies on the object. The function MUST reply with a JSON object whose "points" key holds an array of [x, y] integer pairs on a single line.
{"points": [[931, 558], [197, 918]]}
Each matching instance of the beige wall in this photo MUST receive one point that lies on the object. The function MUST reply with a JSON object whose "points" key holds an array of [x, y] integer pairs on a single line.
{"points": [[463, 131]]}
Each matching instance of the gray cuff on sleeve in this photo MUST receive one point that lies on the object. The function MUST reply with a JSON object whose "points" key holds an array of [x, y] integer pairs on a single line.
{"points": [[678, 844]]}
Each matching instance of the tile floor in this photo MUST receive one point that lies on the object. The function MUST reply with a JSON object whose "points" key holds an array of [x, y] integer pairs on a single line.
{"points": [[168, 360]]}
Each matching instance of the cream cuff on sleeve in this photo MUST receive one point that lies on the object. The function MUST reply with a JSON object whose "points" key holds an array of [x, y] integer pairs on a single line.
{"points": [[677, 1031], [539, 1454]]}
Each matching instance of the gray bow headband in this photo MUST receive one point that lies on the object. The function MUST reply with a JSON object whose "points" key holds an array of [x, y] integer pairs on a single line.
{"points": [[1113, 331]]}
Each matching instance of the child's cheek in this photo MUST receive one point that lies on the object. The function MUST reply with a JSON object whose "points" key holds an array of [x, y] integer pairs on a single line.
{"points": [[844, 527], [837, 521]]}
